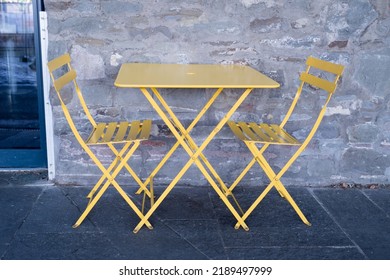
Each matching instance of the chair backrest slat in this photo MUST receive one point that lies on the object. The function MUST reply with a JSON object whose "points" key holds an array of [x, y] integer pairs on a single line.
{"points": [[318, 82], [326, 85], [65, 79], [336, 69], [58, 62]]}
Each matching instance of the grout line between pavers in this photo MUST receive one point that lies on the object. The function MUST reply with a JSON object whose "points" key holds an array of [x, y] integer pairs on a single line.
{"points": [[187, 241], [336, 222], [292, 247], [78, 208], [373, 202], [219, 231], [100, 231], [163, 222]]}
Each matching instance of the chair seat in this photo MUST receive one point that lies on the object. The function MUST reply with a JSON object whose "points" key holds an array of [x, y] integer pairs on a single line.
{"points": [[262, 133], [120, 132]]}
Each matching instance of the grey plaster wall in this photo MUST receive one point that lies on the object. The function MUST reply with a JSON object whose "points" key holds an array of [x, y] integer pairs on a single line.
{"points": [[275, 37]]}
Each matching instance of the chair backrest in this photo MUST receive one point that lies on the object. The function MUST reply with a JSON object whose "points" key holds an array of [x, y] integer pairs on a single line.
{"points": [[318, 81], [62, 74]]}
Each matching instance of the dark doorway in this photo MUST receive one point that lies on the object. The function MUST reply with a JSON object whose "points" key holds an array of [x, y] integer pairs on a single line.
{"points": [[22, 133]]}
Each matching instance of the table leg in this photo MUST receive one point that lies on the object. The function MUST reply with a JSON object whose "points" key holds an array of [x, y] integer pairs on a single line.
{"points": [[194, 158], [177, 144], [194, 147]]}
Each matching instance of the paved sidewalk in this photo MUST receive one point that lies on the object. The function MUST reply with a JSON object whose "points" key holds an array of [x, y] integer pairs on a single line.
{"points": [[36, 220]]}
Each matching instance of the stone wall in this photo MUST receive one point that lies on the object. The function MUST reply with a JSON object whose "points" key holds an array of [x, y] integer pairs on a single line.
{"points": [[275, 37]]}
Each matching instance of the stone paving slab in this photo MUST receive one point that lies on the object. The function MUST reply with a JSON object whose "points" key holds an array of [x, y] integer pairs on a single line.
{"points": [[275, 223], [111, 213], [380, 198], [52, 212], [192, 223], [160, 243], [203, 235], [61, 246], [15, 204], [296, 253], [364, 222]]}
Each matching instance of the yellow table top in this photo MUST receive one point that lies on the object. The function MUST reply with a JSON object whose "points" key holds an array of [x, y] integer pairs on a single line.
{"points": [[148, 75]]}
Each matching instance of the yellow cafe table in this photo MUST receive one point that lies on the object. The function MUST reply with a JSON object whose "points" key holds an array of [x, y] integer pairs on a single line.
{"points": [[150, 78]]}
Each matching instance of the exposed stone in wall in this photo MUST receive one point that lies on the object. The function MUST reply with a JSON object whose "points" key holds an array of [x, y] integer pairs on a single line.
{"points": [[275, 37]]}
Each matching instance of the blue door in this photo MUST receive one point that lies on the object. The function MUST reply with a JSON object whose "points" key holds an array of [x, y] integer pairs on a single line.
{"points": [[22, 130]]}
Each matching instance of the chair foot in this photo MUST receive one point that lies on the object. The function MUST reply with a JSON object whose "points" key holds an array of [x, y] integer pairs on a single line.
{"points": [[138, 228], [237, 226], [91, 194], [76, 225], [304, 220]]}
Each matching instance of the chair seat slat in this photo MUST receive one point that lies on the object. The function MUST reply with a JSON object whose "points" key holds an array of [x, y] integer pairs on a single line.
{"points": [[263, 137], [236, 130], [146, 127], [248, 131], [110, 131], [274, 136], [289, 138], [96, 134], [120, 135], [134, 131]]}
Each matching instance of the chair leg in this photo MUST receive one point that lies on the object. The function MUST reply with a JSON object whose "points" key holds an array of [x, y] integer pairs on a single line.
{"points": [[293, 204], [151, 190], [256, 154], [91, 204], [109, 169], [280, 187], [254, 204], [119, 157], [131, 171], [275, 182], [248, 167], [111, 181]]}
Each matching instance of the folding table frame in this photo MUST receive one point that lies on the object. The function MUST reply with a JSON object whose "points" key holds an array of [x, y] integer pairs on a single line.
{"points": [[151, 77]]}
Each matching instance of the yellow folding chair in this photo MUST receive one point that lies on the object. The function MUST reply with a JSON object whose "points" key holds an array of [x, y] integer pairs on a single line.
{"points": [[253, 134], [128, 134]]}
